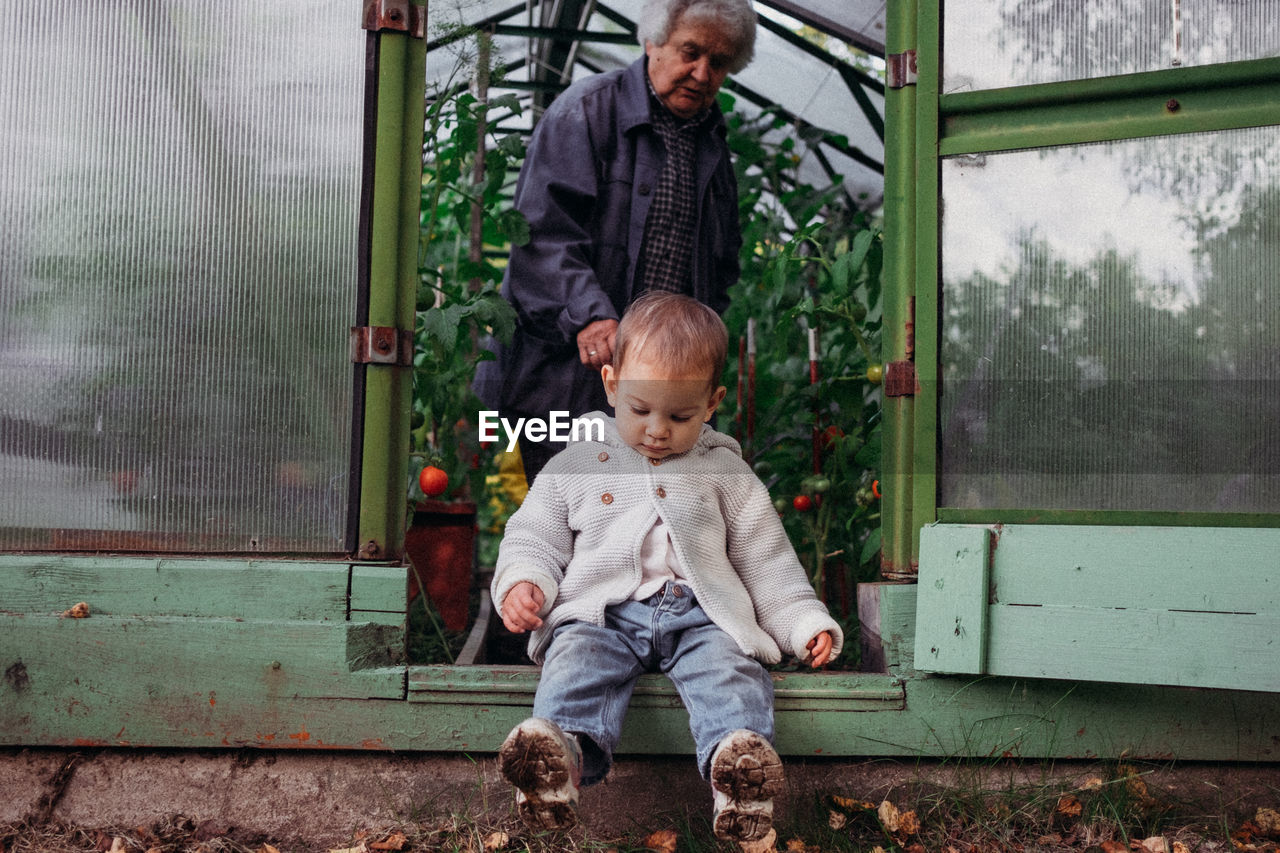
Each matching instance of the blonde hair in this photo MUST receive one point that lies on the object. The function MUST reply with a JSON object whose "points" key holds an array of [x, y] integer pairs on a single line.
{"points": [[675, 329]]}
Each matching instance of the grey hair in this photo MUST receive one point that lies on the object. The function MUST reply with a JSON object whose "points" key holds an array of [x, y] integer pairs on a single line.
{"points": [[736, 18]]}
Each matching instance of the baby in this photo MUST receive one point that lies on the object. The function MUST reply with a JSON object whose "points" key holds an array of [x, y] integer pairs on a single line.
{"points": [[656, 549]]}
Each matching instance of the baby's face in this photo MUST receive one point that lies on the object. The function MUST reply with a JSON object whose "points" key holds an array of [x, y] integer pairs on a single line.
{"points": [[659, 412]]}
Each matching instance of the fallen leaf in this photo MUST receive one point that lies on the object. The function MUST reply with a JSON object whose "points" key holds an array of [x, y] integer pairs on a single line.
{"points": [[1268, 821], [1114, 847], [908, 823], [1093, 783], [1179, 847], [492, 841], [1155, 844], [117, 844], [359, 848], [836, 820], [80, 611], [764, 845], [888, 814], [1070, 806], [394, 841], [1046, 840], [268, 848], [853, 805], [1137, 787], [663, 841], [916, 848]]}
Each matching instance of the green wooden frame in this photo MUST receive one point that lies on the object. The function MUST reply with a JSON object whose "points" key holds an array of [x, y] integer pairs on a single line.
{"points": [[1157, 103]]}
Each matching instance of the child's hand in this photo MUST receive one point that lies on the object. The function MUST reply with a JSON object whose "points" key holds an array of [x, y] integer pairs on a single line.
{"points": [[819, 649], [520, 608]]}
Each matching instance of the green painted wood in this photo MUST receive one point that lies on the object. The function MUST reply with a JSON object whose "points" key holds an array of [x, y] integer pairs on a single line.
{"points": [[517, 684], [1223, 650], [1182, 568], [379, 594], [116, 666], [1197, 607], [942, 716], [140, 586], [951, 606]]}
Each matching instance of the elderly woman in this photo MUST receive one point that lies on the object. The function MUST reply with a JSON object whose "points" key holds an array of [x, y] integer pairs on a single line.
{"points": [[627, 187]]}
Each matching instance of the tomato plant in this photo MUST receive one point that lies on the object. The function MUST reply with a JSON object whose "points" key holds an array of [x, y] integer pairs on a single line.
{"points": [[811, 260]]}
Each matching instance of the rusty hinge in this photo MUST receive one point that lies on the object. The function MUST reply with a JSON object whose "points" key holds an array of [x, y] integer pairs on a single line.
{"points": [[900, 379], [381, 345], [402, 16], [900, 69]]}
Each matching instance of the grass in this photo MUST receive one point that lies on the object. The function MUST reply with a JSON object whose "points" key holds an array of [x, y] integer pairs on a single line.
{"points": [[960, 807]]}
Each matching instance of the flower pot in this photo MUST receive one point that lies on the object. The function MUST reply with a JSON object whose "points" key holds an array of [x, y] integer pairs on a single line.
{"points": [[441, 545]]}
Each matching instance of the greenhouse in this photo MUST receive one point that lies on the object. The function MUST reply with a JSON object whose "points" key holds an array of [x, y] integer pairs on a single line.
{"points": [[1000, 350]]}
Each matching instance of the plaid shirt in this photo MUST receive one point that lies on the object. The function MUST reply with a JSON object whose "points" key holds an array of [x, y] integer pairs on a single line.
{"points": [[667, 251]]}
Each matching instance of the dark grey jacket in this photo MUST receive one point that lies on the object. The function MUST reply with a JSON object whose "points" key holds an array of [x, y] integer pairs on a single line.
{"points": [[585, 187]]}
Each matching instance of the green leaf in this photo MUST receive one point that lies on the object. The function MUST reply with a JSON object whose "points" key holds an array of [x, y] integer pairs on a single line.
{"points": [[871, 547]]}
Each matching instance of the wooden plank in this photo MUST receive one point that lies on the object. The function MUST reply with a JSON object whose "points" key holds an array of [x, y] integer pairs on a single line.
{"points": [[125, 586], [379, 593], [890, 611], [951, 602], [113, 662], [1219, 569], [943, 716], [1234, 651], [816, 691]]}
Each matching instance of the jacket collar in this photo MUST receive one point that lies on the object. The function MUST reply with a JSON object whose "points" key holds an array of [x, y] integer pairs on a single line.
{"points": [[633, 104]]}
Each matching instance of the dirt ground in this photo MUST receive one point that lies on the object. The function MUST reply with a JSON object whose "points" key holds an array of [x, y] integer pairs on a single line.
{"points": [[157, 800]]}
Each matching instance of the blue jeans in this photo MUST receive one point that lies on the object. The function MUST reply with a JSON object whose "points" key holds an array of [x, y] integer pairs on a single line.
{"points": [[590, 672]]}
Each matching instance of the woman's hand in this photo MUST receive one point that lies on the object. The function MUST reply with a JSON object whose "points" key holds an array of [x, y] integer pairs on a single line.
{"points": [[595, 343]]}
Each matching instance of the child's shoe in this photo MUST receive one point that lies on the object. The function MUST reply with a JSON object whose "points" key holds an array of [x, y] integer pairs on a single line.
{"points": [[545, 766], [746, 774]]}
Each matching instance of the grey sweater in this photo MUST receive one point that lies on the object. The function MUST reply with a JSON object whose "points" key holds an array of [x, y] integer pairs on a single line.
{"points": [[577, 536]]}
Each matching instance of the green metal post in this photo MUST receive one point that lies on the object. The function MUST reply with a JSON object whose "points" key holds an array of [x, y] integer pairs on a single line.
{"points": [[924, 465], [393, 284], [899, 291]]}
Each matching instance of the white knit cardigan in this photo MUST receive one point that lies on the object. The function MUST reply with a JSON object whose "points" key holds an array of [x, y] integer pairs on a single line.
{"points": [[577, 536]]}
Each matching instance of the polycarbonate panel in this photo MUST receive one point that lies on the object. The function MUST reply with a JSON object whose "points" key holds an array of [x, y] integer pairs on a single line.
{"points": [[1111, 326], [179, 190], [989, 44]]}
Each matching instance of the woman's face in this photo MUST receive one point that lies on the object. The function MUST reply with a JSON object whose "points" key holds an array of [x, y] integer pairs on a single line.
{"points": [[689, 69]]}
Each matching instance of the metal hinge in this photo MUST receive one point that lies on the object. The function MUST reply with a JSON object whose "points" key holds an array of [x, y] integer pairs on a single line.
{"points": [[900, 69], [900, 379], [401, 16], [381, 345]]}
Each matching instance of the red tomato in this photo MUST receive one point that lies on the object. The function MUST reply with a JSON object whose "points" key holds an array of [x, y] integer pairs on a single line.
{"points": [[802, 503], [875, 488], [433, 481]]}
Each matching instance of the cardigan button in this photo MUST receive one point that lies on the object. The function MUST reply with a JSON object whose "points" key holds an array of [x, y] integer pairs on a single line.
{"points": [[603, 457], [645, 189], [606, 498], [655, 462], [661, 492]]}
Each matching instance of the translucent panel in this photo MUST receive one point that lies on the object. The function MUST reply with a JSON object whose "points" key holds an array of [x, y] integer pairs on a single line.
{"points": [[780, 74], [1111, 326], [179, 188], [989, 44]]}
